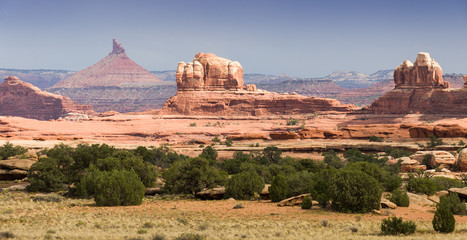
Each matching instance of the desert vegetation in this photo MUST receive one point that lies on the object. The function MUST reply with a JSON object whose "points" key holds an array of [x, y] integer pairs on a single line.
{"points": [[90, 176]]}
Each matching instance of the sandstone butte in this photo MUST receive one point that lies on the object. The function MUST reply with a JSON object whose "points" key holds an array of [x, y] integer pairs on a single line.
{"points": [[117, 69], [18, 98], [212, 85], [419, 88]]}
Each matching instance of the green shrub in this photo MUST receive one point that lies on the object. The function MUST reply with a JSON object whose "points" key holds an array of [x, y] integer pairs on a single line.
{"points": [[292, 122], [375, 139], [355, 155], [400, 198], [244, 185], [354, 191], [421, 185], [396, 153], [453, 202], [44, 176], [272, 154], [368, 168], [396, 226], [209, 153], [444, 220], [320, 191], [391, 182], [163, 157], [443, 183], [9, 150], [306, 204], [434, 141], [332, 160], [192, 175], [279, 189], [300, 183], [118, 188]]}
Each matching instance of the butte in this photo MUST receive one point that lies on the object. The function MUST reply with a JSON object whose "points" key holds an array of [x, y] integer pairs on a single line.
{"points": [[213, 86], [419, 88]]}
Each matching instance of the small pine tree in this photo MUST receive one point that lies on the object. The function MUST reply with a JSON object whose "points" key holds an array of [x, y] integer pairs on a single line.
{"points": [[400, 198], [278, 189], [444, 221], [306, 204], [395, 226], [244, 185]]}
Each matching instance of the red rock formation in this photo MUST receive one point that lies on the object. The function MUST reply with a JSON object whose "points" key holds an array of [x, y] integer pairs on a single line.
{"points": [[214, 86], [18, 98], [424, 72], [420, 89], [209, 72], [465, 81], [117, 69]]}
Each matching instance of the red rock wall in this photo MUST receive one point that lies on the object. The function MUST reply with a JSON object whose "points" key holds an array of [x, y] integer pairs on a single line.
{"points": [[244, 103], [18, 98]]}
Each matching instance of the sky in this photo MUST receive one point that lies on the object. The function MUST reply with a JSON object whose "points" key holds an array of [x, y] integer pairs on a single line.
{"points": [[293, 37]]}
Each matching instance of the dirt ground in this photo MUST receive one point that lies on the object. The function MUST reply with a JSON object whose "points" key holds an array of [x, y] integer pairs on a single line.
{"points": [[39, 216]]}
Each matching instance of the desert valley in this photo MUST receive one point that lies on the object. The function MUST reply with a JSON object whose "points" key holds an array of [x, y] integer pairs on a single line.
{"points": [[210, 150]]}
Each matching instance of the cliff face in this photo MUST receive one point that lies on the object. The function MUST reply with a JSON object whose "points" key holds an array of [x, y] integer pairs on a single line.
{"points": [[420, 89], [18, 98], [214, 86]]}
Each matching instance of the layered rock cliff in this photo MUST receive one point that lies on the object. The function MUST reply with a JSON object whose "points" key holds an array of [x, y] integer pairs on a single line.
{"points": [[419, 88], [18, 98], [213, 85]]}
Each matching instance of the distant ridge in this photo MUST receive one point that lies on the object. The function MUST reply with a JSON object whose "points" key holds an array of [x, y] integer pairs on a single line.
{"points": [[116, 70]]}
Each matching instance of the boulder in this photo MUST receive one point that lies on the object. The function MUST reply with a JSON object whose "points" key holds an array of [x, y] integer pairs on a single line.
{"points": [[14, 174], [412, 168], [446, 130], [248, 136], [17, 163], [284, 135], [311, 133], [461, 192], [297, 200], [211, 194], [462, 160], [437, 158], [265, 193], [419, 199], [385, 203]]}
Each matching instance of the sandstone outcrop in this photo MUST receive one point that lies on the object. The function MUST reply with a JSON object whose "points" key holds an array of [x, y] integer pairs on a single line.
{"points": [[424, 72], [214, 86], [419, 88], [18, 98], [15, 168], [462, 160], [209, 72], [292, 201]]}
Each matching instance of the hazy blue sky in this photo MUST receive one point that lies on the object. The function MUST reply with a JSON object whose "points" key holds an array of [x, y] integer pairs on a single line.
{"points": [[298, 38]]}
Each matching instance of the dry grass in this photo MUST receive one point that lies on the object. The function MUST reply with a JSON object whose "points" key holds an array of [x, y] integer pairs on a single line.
{"points": [[80, 219]]}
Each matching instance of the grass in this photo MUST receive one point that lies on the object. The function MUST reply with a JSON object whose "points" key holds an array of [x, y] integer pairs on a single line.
{"points": [[81, 219]]}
